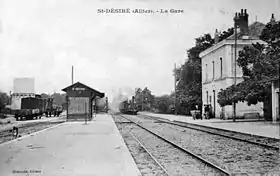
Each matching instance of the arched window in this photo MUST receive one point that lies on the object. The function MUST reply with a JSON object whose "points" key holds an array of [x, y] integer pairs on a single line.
{"points": [[221, 61], [206, 97]]}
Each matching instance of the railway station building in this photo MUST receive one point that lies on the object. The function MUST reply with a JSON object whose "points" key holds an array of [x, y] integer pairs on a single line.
{"points": [[218, 70], [80, 99]]}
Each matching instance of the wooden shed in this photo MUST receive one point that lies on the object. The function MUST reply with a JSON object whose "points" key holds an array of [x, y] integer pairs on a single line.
{"points": [[80, 99]]}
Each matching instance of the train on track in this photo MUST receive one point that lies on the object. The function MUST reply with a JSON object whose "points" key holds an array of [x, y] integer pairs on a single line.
{"points": [[128, 107], [35, 107]]}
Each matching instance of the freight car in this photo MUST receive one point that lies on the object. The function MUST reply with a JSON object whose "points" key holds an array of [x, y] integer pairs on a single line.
{"points": [[127, 107], [31, 108]]}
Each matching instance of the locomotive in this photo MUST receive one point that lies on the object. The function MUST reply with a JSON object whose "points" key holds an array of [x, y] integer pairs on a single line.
{"points": [[128, 107]]}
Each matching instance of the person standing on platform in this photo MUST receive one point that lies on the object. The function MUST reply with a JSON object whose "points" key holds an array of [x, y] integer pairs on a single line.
{"points": [[206, 110]]}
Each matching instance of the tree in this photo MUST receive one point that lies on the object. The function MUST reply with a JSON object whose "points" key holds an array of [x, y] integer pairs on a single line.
{"points": [[4, 100], [189, 76], [59, 99], [43, 95], [226, 34], [143, 99], [259, 63], [164, 104]]}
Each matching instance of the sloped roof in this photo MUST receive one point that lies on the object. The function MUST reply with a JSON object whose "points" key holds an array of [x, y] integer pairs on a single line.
{"points": [[255, 30], [101, 95]]}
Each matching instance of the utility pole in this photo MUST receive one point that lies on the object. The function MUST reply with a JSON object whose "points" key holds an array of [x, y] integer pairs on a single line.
{"points": [[235, 55], [175, 94], [278, 99]]}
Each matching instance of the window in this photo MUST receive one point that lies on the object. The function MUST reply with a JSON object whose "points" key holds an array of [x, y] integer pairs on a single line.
{"points": [[221, 61], [213, 69], [206, 97], [206, 75]]}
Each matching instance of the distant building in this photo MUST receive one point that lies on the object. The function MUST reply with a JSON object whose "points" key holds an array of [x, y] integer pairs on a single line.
{"points": [[22, 88], [143, 99], [24, 85], [218, 68]]}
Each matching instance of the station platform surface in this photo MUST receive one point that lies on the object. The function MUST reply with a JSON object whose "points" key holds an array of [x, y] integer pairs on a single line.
{"points": [[260, 128], [72, 148]]}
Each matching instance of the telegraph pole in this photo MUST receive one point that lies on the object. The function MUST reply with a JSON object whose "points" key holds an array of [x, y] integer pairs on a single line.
{"points": [[175, 94], [235, 55]]}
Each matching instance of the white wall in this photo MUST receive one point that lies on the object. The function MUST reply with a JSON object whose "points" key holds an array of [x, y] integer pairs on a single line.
{"points": [[223, 81], [24, 85]]}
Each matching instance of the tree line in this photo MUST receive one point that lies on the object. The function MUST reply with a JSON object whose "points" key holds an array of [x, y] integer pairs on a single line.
{"points": [[188, 79]]}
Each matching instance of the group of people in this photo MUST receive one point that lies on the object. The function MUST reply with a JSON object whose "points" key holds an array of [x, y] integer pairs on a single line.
{"points": [[208, 113]]}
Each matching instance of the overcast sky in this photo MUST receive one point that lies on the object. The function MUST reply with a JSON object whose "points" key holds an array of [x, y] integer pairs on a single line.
{"points": [[43, 38]]}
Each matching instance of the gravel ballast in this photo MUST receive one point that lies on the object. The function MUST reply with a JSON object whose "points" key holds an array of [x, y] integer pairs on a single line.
{"points": [[234, 156]]}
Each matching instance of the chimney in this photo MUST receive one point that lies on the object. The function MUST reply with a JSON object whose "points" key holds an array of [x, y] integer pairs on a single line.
{"points": [[241, 20], [272, 19], [216, 36]]}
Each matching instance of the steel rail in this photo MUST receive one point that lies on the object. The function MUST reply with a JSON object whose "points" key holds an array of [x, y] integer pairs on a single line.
{"points": [[182, 149], [188, 125], [142, 145], [8, 132]]}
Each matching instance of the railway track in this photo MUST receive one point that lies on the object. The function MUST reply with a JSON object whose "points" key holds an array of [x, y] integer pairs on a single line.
{"points": [[186, 161], [266, 142], [23, 129], [234, 156], [146, 162]]}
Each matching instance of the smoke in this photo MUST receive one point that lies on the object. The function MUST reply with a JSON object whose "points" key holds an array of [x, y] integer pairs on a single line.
{"points": [[124, 93]]}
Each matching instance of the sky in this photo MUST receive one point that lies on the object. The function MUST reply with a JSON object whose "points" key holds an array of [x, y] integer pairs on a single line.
{"points": [[110, 52]]}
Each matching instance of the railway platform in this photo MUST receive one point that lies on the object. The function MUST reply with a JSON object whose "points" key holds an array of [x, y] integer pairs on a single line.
{"points": [[260, 128], [72, 148]]}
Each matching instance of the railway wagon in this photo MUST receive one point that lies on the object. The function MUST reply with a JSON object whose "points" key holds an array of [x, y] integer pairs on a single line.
{"points": [[127, 107], [31, 108]]}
